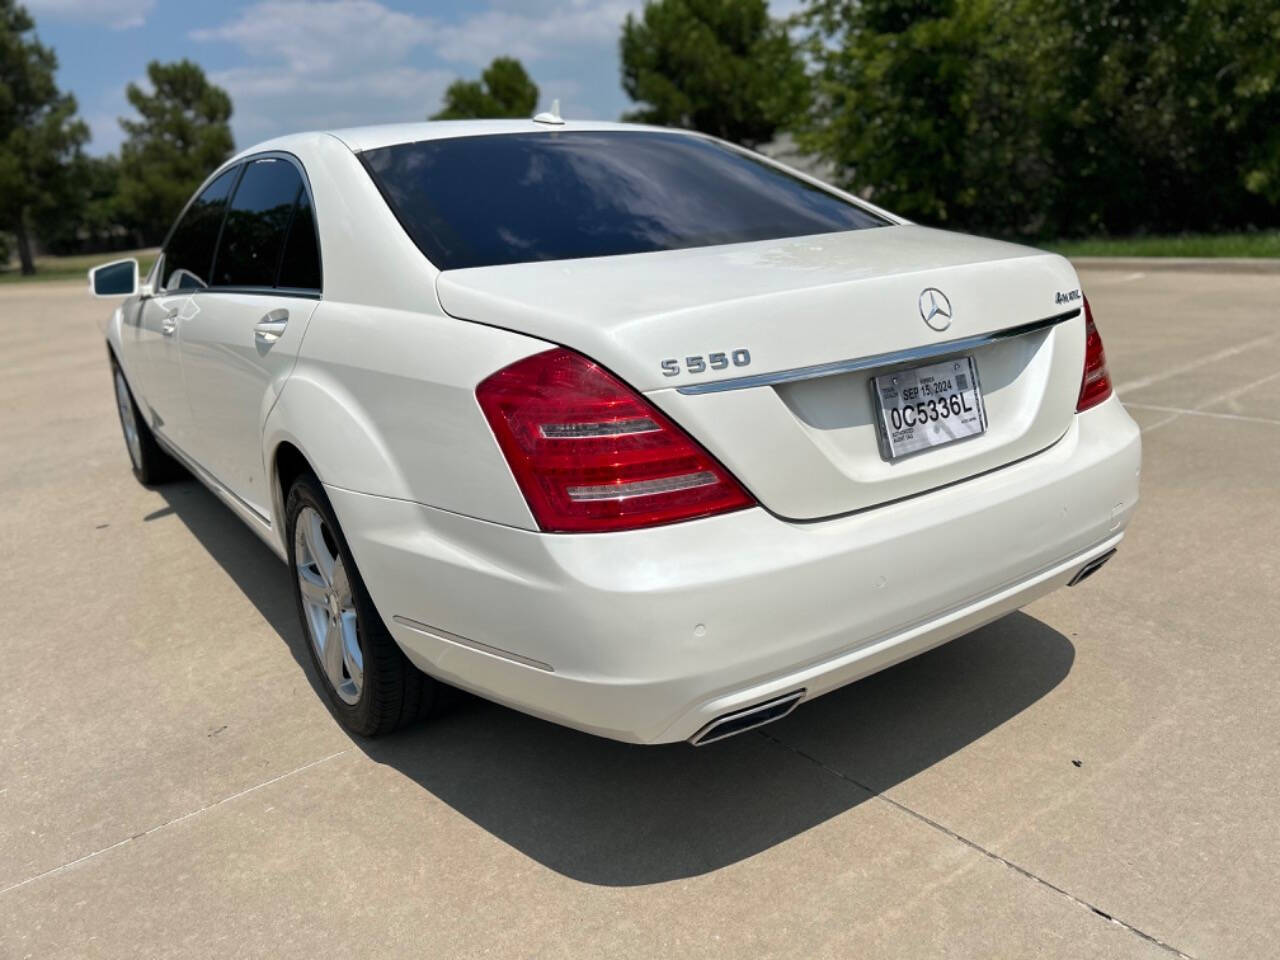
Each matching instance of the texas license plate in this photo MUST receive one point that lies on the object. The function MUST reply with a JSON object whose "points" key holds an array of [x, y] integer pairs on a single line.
{"points": [[925, 407]]}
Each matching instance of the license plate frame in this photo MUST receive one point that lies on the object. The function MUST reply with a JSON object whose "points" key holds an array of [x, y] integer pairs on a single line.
{"points": [[897, 444]]}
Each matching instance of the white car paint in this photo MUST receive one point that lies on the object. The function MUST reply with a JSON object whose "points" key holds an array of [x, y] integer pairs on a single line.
{"points": [[651, 634], [849, 563], [807, 449]]}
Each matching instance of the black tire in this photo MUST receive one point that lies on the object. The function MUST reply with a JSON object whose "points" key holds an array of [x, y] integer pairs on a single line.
{"points": [[151, 465], [393, 692]]}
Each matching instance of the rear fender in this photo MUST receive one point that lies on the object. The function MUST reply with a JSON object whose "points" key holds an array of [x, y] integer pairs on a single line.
{"points": [[382, 402]]}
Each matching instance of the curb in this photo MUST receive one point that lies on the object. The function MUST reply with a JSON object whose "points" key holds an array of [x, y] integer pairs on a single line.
{"points": [[1181, 264]]}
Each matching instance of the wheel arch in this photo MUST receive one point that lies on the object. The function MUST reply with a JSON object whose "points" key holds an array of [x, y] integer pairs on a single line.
{"points": [[329, 429], [315, 427], [287, 464]]}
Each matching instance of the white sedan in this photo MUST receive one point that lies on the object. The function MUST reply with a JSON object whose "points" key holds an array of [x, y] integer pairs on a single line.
{"points": [[625, 427]]}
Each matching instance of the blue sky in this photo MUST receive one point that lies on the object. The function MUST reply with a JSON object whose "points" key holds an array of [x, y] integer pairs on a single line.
{"points": [[305, 64]]}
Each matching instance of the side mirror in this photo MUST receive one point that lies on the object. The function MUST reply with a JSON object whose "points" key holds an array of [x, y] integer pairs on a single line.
{"points": [[116, 279]]}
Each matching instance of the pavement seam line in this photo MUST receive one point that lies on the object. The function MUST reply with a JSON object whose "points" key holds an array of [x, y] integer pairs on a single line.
{"points": [[168, 823], [1236, 391], [1195, 364], [977, 847], [1160, 423], [1200, 413]]}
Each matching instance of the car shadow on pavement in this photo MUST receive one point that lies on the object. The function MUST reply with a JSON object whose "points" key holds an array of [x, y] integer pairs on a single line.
{"points": [[614, 814]]}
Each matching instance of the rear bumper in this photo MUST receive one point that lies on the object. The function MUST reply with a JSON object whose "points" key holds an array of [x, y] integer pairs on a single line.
{"points": [[648, 636]]}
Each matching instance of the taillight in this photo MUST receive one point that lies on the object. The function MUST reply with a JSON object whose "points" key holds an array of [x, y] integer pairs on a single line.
{"points": [[589, 453], [1095, 385]]}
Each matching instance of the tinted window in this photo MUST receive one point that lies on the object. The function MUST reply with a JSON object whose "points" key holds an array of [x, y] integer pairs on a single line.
{"points": [[189, 253], [257, 221], [476, 201], [300, 267]]}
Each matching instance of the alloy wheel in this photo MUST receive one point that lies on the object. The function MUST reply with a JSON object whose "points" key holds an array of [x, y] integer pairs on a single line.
{"points": [[124, 403], [328, 604]]}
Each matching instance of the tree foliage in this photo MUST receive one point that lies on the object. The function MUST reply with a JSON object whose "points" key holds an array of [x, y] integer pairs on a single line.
{"points": [[40, 135], [503, 90], [1033, 118], [89, 217], [181, 134], [720, 66]]}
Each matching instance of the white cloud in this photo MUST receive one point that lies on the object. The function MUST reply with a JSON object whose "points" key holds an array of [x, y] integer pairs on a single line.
{"points": [[781, 9], [105, 134], [552, 32], [322, 65], [323, 37], [333, 34], [116, 14], [327, 63], [270, 101]]}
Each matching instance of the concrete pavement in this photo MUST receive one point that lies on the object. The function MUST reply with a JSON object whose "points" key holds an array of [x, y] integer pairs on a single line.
{"points": [[1095, 776]]}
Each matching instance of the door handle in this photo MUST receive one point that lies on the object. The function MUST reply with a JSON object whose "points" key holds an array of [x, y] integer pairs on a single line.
{"points": [[170, 322], [271, 327]]}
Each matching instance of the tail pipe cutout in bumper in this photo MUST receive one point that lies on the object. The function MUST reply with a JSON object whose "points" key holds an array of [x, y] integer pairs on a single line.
{"points": [[1090, 568], [740, 721]]}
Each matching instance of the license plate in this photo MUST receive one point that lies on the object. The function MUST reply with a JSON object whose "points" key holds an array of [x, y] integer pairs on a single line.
{"points": [[925, 407]]}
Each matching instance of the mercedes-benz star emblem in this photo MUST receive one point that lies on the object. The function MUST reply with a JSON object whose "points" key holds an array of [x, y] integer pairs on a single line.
{"points": [[935, 308]]}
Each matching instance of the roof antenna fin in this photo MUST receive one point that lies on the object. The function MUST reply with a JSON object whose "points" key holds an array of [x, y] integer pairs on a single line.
{"points": [[550, 116]]}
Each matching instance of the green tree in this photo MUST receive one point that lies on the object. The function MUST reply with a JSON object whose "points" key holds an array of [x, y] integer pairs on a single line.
{"points": [[1032, 118], [503, 90], [181, 135], [90, 217], [40, 135], [720, 66], [1169, 113], [934, 107]]}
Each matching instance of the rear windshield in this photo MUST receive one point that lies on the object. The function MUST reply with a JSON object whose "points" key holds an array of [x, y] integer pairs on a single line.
{"points": [[513, 198]]}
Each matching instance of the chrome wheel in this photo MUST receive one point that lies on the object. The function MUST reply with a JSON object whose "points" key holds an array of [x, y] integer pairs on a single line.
{"points": [[124, 403], [327, 604]]}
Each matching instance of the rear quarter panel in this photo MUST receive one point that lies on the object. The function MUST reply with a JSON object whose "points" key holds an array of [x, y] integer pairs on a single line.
{"points": [[383, 402], [382, 398]]}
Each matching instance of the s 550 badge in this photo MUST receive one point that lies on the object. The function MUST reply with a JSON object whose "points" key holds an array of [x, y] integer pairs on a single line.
{"points": [[711, 361]]}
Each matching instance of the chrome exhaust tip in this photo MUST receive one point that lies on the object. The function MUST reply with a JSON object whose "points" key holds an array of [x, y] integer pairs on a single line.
{"points": [[740, 721], [1090, 568]]}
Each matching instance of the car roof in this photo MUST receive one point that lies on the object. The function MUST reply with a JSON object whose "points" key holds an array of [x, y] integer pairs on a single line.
{"points": [[385, 135], [359, 139]]}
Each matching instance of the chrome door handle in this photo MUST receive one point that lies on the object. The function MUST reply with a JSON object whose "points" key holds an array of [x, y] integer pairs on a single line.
{"points": [[170, 322], [271, 327]]}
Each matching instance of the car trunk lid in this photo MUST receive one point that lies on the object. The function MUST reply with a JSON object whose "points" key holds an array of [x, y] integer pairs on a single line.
{"points": [[789, 408]]}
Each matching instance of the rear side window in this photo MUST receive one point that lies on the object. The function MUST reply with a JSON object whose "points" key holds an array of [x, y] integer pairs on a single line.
{"points": [[514, 198], [188, 255], [300, 266], [258, 220]]}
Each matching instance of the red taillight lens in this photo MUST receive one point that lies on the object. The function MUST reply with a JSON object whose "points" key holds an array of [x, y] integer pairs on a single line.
{"points": [[591, 454], [1095, 385]]}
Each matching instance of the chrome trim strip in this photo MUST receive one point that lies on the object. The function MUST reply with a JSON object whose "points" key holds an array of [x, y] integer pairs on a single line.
{"points": [[437, 634], [255, 521], [207, 478], [910, 355]]}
